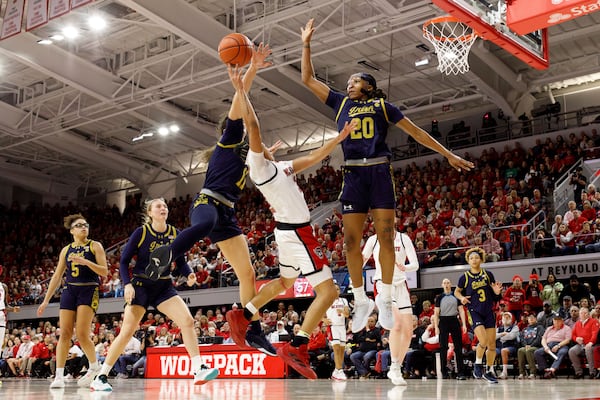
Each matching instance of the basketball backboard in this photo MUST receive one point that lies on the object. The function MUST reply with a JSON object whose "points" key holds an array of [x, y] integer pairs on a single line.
{"points": [[488, 18], [524, 17]]}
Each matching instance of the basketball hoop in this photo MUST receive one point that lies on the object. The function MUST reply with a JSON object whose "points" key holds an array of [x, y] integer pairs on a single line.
{"points": [[452, 40]]}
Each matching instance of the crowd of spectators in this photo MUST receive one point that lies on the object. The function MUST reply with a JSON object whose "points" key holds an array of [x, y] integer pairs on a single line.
{"points": [[443, 211], [527, 319], [527, 305]]}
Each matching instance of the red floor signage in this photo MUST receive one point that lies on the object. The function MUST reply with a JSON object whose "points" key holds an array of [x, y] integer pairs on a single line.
{"points": [[174, 362]]}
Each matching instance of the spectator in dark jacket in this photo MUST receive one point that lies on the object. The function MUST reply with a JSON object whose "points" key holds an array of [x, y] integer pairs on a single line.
{"points": [[544, 317], [531, 340], [369, 342], [575, 290]]}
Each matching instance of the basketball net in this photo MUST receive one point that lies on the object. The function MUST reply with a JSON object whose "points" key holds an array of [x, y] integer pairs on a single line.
{"points": [[452, 40]]}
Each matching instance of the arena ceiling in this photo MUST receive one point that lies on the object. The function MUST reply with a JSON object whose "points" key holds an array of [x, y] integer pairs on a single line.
{"points": [[70, 111]]}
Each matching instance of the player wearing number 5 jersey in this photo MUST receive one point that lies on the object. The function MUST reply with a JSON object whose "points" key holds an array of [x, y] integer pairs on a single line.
{"points": [[477, 289], [82, 263], [368, 180]]}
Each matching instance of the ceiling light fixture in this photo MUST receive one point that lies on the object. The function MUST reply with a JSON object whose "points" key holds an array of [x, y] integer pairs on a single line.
{"points": [[174, 128], [57, 37], [96, 23], [369, 64], [142, 135], [163, 131], [44, 41], [70, 32], [422, 61]]}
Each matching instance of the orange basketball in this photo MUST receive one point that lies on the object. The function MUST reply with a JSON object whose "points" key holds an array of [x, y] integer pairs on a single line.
{"points": [[235, 49]]}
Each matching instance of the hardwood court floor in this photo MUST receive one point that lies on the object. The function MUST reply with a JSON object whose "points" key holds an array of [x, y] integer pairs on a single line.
{"points": [[299, 389]]}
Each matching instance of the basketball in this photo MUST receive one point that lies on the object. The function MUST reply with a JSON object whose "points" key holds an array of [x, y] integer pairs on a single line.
{"points": [[235, 49]]}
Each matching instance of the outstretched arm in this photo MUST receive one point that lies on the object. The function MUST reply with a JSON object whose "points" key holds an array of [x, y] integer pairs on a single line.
{"points": [[242, 103], [304, 162], [428, 141], [258, 62], [319, 89]]}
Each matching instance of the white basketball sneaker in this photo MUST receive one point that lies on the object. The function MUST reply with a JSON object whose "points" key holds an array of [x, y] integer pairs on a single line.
{"points": [[386, 315], [57, 383], [338, 375], [86, 380], [205, 374], [100, 384], [362, 311], [395, 375]]}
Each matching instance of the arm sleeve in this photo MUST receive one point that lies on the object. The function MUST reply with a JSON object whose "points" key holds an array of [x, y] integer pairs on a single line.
{"points": [[411, 254], [183, 268], [128, 252], [233, 133], [367, 251]]}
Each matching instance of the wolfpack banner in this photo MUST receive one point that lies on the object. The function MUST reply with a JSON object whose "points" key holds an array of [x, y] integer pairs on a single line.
{"points": [[79, 3], [174, 362], [12, 19], [37, 13], [58, 8]]}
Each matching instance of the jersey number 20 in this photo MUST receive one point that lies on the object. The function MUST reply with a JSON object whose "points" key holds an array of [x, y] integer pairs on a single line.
{"points": [[365, 128]]}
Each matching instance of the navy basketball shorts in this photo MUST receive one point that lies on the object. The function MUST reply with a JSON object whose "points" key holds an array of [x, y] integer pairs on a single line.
{"points": [[488, 320], [74, 296], [367, 187], [152, 293], [210, 212]]}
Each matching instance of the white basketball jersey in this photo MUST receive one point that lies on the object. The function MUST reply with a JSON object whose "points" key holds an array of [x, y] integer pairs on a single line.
{"points": [[404, 250], [276, 180], [2, 298], [335, 313]]}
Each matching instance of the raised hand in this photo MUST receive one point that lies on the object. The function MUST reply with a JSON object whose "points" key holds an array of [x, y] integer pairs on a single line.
{"points": [[275, 147], [259, 54], [308, 31], [236, 77]]}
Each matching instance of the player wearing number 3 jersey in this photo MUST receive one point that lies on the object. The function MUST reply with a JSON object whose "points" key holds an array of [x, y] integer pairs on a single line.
{"points": [[477, 289]]}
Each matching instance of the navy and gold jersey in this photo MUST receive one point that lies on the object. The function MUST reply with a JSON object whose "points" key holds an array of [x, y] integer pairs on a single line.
{"points": [[227, 168], [478, 286], [77, 274], [142, 242], [375, 115]]}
